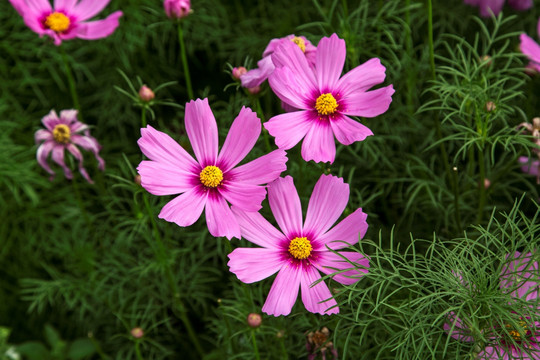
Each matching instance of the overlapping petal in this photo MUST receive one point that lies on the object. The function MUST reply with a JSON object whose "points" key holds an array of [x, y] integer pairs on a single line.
{"points": [[289, 55], [219, 217], [256, 229], [291, 90], [285, 204], [186, 208], [283, 292], [319, 143], [261, 170], [289, 128], [245, 196]]}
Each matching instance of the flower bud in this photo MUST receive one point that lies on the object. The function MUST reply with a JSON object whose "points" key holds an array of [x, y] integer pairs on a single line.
{"points": [[177, 9], [137, 179], [254, 90], [237, 72], [486, 59], [490, 106], [254, 320], [137, 332], [487, 183], [146, 94]]}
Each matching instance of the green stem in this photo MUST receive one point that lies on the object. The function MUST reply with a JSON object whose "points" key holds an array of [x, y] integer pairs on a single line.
{"points": [[138, 351], [143, 117], [71, 82], [285, 354], [456, 202], [482, 188], [78, 197], [184, 60], [430, 39], [255, 348]]}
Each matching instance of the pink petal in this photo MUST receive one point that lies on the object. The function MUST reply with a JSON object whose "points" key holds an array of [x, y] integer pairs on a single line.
{"points": [[288, 54], [284, 291], [58, 157], [161, 147], [50, 120], [64, 5], [521, 276], [186, 208], [285, 204], [202, 131], [346, 232], [242, 136], [490, 7], [86, 9], [331, 53], [42, 135], [262, 170], [98, 29], [39, 6], [77, 154], [69, 117], [362, 77], [368, 104], [290, 88], [256, 229], [89, 143], [164, 179], [328, 200], [289, 128], [256, 77], [316, 299], [529, 166], [220, 219], [348, 131], [520, 4], [20, 6], [319, 144], [252, 265], [42, 153], [331, 263], [530, 48], [456, 329], [245, 196]]}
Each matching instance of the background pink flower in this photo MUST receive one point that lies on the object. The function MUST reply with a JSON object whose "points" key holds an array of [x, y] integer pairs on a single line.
{"points": [[299, 251], [531, 48], [67, 19], [177, 9], [64, 133], [489, 7], [212, 180]]}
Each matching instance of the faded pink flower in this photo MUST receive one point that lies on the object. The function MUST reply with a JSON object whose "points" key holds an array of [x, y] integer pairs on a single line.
{"points": [[67, 19], [177, 9], [531, 48], [63, 133], [323, 99], [211, 180], [257, 76], [489, 7], [301, 249]]}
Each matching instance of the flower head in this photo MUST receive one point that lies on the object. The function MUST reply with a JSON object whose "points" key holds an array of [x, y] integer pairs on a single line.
{"points": [[318, 342], [323, 100], [211, 180], [531, 48], [489, 7], [67, 19], [265, 66], [146, 94], [62, 133], [177, 9], [254, 320], [300, 249], [238, 72]]}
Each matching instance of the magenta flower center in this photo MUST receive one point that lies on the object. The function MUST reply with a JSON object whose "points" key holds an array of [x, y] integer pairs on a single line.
{"points": [[57, 22], [326, 104], [61, 133], [300, 42], [300, 248], [211, 176]]}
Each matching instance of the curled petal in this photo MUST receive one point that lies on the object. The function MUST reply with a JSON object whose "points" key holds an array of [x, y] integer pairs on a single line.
{"points": [[90, 144], [77, 154], [58, 157], [42, 153]]}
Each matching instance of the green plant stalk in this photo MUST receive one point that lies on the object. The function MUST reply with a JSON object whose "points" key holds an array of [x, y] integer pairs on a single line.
{"points": [[255, 348], [481, 187], [71, 82], [184, 60], [78, 197], [138, 351], [285, 354], [143, 117]]}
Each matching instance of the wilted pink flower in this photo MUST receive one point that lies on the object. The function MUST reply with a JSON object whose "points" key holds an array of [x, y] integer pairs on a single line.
{"points": [[67, 20], [488, 7], [177, 9], [324, 99], [531, 48], [520, 278], [318, 343], [212, 180], [237, 72], [63, 133], [256, 77], [300, 250], [146, 94]]}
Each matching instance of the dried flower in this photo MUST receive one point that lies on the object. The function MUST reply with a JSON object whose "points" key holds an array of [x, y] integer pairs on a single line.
{"points": [[317, 342]]}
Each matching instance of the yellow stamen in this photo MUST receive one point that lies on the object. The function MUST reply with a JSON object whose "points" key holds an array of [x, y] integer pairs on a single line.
{"points": [[211, 176], [61, 133], [516, 334], [57, 22], [300, 42], [326, 104], [300, 248]]}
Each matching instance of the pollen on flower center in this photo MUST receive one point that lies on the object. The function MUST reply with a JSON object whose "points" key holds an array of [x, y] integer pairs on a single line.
{"points": [[57, 22], [61, 133], [211, 176], [516, 334], [300, 248], [326, 104], [300, 42]]}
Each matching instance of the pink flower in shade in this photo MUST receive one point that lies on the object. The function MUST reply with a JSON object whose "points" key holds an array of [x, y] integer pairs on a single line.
{"points": [[531, 48], [63, 133], [177, 9], [299, 251], [323, 99], [488, 7], [256, 77], [531, 167], [520, 278], [212, 180], [67, 19]]}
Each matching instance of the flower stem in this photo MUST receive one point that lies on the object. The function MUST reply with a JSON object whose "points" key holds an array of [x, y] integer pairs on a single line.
{"points": [[285, 354], [71, 82], [138, 351], [255, 348], [184, 60], [143, 117], [482, 188]]}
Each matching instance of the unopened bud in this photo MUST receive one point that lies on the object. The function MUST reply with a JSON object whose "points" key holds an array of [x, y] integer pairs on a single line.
{"points": [[146, 94], [486, 59], [490, 106], [137, 333], [280, 334], [237, 72], [254, 320], [254, 90], [487, 183], [137, 180], [177, 9]]}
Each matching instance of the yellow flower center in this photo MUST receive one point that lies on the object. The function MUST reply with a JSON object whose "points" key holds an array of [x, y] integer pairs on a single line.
{"points": [[211, 176], [516, 334], [326, 104], [300, 42], [61, 133], [300, 248], [57, 22]]}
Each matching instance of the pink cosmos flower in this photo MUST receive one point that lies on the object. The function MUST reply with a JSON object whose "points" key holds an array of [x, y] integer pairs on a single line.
{"points": [[256, 77], [300, 250], [531, 167], [63, 133], [177, 9], [212, 180], [323, 99], [531, 48], [519, 277], [487, 7], [67, 19]]}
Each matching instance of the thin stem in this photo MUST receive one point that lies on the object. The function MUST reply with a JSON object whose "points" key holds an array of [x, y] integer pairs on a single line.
{"points": [[255, 348], [143, 117], [482, 188], [430, 39], [456, 201], [285, 354], [71, 82], [78, 197], [138, 351], [184, 60]]}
